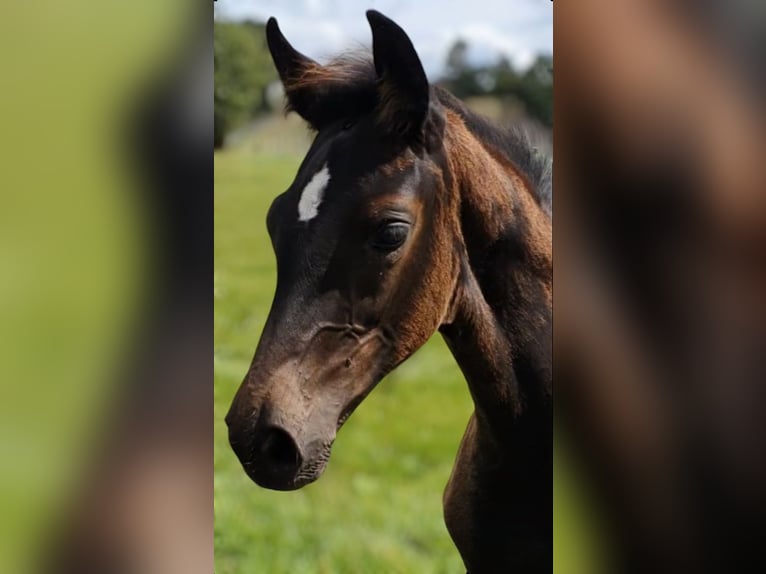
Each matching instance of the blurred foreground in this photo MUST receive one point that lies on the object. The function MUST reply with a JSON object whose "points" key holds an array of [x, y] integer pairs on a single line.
{"points": [[105, 314], [660, 288]]}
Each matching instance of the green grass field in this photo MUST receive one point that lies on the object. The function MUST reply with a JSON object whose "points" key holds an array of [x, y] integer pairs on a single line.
{"points": [[377, 508]]}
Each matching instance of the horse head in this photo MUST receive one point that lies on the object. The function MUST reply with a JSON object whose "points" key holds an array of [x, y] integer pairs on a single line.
{"points": [[366, 253]]}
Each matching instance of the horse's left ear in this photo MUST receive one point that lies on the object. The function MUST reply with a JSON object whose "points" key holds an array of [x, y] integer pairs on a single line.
{"points": [[296, 72], [403, 86]]}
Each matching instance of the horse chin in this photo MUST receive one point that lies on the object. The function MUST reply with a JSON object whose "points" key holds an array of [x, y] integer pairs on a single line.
{"points": [[294, 484], [310, 471], [302, 480]]}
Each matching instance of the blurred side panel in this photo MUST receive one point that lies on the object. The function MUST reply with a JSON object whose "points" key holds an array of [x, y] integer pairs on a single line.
{"points": [[660, 285], [106, 283]]}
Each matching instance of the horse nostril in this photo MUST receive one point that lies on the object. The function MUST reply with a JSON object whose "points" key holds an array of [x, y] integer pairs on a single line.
{"points": [[279, 449]]}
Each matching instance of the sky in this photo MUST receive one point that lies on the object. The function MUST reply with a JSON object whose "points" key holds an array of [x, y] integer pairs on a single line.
{"points": [[517, 29]]}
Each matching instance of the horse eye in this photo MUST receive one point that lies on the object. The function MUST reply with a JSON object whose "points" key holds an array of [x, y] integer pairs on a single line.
{"points": [[391, 235], [347, 125]]}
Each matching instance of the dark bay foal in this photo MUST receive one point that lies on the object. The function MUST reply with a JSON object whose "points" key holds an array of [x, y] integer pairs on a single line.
{"points": [[409, 214]]}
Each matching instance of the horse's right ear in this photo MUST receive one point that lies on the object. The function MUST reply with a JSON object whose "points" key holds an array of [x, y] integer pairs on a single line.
{"points": [[403, 86], [294, 69]]}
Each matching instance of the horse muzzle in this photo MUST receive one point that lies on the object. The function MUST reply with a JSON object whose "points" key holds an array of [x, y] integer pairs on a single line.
{"points": [[275, 458]]}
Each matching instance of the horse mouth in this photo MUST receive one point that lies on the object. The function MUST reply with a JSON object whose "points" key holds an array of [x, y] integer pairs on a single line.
{"points": [[293, 474], [275, 482], [287, 477]]}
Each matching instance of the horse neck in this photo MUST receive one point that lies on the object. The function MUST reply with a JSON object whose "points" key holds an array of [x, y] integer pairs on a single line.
{"points": [[500, 325]]}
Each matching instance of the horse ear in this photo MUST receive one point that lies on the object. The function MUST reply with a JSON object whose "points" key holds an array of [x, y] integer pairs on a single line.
{"points": [[293, 67], [404, 90]]}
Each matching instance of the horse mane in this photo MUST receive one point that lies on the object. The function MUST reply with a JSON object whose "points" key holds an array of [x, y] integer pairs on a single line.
{"points": [[349, 86], [514, 143]]}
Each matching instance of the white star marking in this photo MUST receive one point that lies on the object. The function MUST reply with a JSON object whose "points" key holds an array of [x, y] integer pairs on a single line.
{"points": [[311, 197]]}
